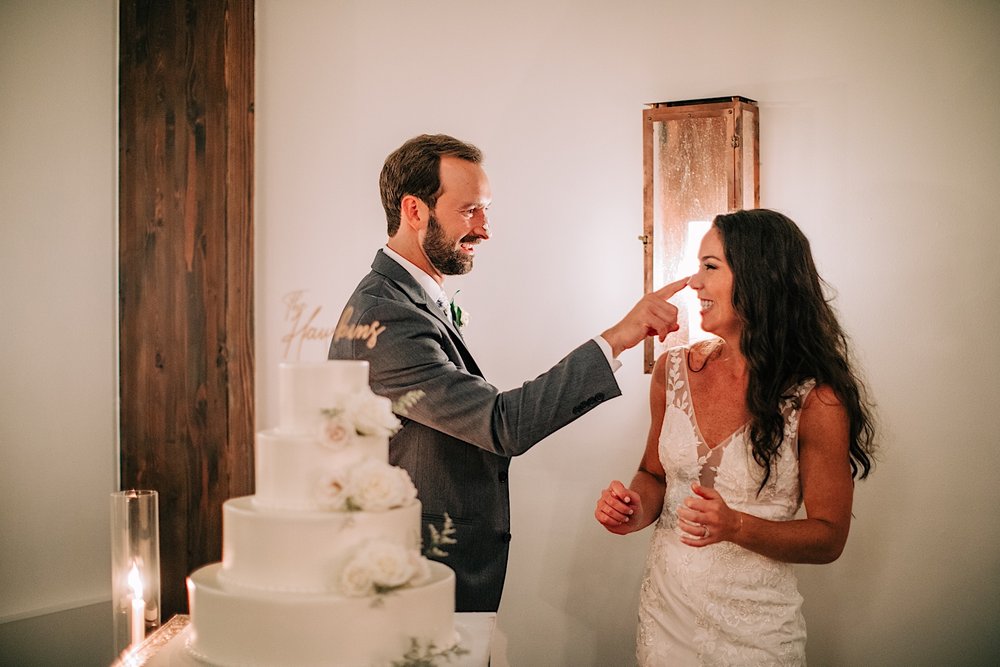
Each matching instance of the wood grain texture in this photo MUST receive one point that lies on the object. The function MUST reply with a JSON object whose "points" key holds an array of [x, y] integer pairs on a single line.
{"points": [[186, 269]]}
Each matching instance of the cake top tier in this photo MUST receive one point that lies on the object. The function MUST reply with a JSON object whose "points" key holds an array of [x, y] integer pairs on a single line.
{"points": [[305, 389]]}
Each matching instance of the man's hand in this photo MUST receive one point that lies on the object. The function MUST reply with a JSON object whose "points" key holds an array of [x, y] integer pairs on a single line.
{"points": [[652, 316]]}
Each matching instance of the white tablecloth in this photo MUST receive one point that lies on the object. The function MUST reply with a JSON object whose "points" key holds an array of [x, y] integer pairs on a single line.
{"points": [[165, 647]]}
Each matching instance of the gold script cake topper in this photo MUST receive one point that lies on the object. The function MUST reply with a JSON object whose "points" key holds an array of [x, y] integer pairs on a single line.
{"points": [[367, 332], [303, 326]]}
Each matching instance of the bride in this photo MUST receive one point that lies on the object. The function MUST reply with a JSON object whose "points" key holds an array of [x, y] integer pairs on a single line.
{"points": [[744, 430]]}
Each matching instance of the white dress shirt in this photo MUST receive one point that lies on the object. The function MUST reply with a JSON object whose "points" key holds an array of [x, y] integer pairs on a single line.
{"points": [[434, 291]]}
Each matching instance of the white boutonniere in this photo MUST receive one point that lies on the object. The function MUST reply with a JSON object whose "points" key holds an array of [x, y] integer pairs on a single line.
{"points": [[458, 316]]}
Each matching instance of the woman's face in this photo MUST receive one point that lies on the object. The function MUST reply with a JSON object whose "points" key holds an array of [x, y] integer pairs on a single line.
{"points": [[714, 284]]}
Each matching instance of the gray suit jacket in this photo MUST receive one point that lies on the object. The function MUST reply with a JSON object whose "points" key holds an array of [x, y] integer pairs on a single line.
{"points": [[457, 440]]}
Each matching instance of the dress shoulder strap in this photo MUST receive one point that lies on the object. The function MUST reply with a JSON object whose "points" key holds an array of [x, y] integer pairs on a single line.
{"points": [[677, 391], [793, 400], [791, 411]]}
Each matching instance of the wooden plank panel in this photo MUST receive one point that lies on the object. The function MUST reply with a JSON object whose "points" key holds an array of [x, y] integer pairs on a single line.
{"points": [[185, 269]]}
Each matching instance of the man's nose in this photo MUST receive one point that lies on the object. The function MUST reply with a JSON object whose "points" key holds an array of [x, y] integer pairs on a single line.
{"points": [[483, 225]]}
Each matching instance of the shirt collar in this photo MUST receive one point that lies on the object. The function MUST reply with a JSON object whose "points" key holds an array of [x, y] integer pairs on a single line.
{"points": [[431, 287]]}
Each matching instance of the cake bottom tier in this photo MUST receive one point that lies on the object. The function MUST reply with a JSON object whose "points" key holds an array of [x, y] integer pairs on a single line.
{"points": [[232, 625]]}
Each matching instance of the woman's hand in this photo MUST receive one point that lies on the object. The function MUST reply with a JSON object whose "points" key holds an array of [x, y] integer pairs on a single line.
{"points": [[705, 518], [616, 508]]}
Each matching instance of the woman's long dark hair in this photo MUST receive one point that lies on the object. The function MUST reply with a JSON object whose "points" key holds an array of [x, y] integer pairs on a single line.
{"points": [[790, 332]]}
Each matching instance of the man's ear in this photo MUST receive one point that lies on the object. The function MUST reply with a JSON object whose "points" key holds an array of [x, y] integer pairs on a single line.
{"points": [[415, 212]]}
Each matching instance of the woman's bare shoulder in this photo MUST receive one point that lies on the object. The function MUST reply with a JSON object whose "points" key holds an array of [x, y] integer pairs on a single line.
{"points": [[821, 397]]}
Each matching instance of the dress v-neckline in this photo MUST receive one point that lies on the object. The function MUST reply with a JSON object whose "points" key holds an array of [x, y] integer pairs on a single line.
{"points": [[693, 416]]}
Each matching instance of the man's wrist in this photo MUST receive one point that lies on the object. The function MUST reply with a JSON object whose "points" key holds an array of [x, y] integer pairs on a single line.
{"points": [[616, 347], [609, 351]]}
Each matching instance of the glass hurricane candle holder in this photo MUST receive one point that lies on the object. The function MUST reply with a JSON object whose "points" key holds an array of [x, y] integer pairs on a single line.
{"points": [[135, 566]]}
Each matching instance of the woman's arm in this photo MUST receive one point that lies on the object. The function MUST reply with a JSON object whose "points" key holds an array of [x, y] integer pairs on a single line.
{"points": [[827, 493], [624, 510]]}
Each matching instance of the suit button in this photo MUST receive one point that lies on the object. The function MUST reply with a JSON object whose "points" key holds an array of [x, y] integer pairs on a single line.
{"points": [[505, 537], [502, 476]]}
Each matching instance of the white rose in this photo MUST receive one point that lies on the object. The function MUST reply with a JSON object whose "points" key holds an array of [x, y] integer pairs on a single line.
{"points": [[389, 564], [334, 489], [356, 579], [335, 432], [376, 486], [373, 416]]}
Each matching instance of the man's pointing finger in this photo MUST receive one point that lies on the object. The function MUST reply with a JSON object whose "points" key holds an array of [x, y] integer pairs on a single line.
{"points": [[673, 288]]}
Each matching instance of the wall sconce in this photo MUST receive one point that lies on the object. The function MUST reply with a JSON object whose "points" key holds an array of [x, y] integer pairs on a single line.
{"points": [[699, 158], [135, 567]]}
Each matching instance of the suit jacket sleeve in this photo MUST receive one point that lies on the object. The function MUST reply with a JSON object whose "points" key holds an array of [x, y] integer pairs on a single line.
{"points": [[417, 351]]}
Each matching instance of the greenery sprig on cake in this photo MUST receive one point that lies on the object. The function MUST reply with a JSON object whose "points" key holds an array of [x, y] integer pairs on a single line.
{"points": [[441, 538], [429, 655]]}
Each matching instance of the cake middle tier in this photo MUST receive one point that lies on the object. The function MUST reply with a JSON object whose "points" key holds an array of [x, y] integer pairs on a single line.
{"points": [[299, 551], [292, 468]]}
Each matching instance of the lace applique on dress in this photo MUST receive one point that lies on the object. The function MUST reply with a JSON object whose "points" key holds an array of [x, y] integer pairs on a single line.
{"points": [[721, 604]]}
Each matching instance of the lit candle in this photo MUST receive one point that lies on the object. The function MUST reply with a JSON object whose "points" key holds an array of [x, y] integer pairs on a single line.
{"points": [[138, 620]]}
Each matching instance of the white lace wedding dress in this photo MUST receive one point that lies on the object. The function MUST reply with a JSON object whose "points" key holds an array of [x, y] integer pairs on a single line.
{"points": [[720, 604]]}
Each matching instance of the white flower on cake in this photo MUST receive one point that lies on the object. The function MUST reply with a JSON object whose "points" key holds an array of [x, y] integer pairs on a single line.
{"points": [[369, 486], [378, 486], [382, 567], [335, 432], [373, 416], [369, 415], [391, 565], [334, 491], [356, 579]]}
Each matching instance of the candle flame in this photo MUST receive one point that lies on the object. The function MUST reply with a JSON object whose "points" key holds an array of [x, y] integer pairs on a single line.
{"points": [[135, 582]]}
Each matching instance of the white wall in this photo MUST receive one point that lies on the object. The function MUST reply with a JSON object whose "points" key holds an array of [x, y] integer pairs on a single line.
{"points": [[58, 346], [878, 136]]}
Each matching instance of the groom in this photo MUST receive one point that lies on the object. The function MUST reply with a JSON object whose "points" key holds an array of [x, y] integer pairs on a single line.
{"points": [[457, 440]]}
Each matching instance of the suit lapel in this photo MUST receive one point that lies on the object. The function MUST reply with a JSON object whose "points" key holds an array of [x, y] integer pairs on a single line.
{"points": [[390, 268]]}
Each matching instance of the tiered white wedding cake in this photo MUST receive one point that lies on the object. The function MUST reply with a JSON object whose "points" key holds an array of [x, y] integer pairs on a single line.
{"points": [[323, 565]]}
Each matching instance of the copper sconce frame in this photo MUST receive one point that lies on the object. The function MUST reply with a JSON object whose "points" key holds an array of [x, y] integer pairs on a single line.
{"points": [[700, 158]]}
